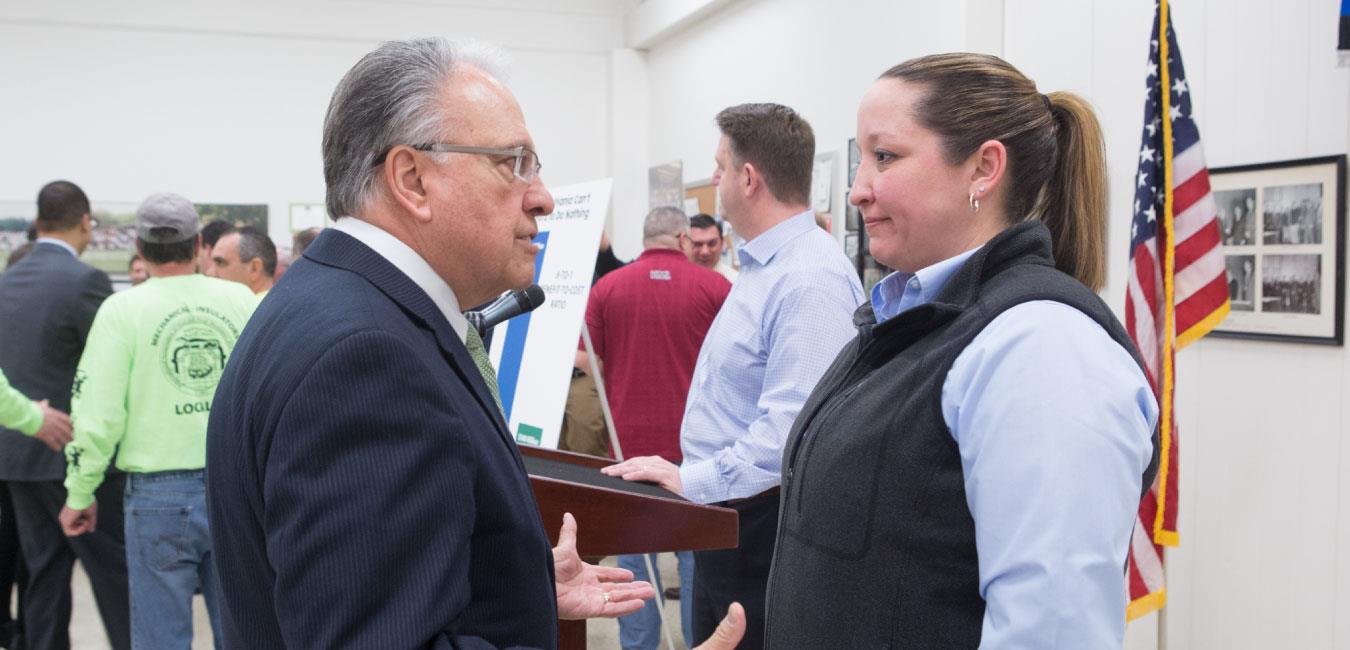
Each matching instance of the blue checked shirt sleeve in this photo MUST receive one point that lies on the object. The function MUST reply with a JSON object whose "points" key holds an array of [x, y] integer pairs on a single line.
{"points": [[803, 333]]}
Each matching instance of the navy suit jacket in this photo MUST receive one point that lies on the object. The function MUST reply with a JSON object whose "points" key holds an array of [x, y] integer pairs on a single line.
{"points": [[47, 304], [362, 487]]}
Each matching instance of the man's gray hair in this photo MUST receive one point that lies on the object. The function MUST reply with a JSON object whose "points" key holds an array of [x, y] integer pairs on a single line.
{"points": [[255, 244], [664, 222], [390, 98]]}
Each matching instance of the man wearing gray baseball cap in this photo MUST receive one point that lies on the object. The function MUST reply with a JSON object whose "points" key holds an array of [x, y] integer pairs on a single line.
{"points": [[166, 219], [143, 390]]}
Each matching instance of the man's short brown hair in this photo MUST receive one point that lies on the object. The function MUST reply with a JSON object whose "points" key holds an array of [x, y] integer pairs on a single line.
{"points": [[778, 142]]}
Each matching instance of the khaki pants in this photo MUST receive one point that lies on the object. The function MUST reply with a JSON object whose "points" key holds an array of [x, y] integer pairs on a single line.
{"points": [[583, 425]]}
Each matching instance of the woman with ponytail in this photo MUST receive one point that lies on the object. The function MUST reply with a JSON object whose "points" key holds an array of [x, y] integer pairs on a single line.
{"points": [[969, 470]]}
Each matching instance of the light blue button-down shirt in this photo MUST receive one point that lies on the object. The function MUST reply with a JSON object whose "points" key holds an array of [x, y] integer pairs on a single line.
{"points": [[789, 313], [1054, 424]]}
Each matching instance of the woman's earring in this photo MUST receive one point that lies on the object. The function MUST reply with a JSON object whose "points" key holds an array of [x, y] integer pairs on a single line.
{"points": [[974, 203]]}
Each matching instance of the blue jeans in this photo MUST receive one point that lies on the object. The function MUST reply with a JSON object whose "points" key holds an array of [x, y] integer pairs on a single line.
{"points": [[168, 558], [641, 630]]}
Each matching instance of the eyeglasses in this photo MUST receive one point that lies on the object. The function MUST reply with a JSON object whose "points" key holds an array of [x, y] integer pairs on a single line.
{"points": [[526, 166]]}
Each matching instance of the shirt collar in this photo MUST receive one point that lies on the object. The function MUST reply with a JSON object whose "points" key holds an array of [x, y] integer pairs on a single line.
{"points": [[405, 259], [900, 291], [57, 242], [762, 248], [658, 252]]}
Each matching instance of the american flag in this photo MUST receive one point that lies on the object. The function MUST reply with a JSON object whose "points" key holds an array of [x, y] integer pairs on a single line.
{"points": [[1178, 286]]}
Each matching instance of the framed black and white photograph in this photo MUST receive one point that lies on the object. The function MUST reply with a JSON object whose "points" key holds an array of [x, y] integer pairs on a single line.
{"points": [[1241, 282], [852, 217], [1292, 214], [1237, 216], [822, 182], [1282, 227], [854, 159]]}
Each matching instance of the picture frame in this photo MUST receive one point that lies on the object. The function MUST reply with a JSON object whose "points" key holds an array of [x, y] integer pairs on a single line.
{"points": [[852, 218], [1282, 233], [822, 182], [113, 241], [16, 218], [665, 185], [854, 159], [304, 216], [239, 214]]}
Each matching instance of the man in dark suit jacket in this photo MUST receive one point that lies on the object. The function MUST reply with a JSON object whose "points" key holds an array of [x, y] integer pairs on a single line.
{"points": [[363, 489], [47, 303]]}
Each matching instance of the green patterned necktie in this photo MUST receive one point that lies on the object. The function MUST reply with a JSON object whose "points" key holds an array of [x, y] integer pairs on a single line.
{"points": [[480, 358]]}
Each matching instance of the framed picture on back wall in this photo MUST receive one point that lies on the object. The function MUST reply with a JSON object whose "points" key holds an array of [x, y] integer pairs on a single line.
{"points": [[1282, 231]]}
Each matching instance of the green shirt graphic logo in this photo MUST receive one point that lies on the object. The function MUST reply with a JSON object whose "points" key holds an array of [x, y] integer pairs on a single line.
{"points": [[193, 351], [77, 386]]}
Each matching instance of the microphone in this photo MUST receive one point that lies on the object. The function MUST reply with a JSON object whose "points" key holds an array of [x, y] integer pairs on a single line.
{"points": [[505, 308]]}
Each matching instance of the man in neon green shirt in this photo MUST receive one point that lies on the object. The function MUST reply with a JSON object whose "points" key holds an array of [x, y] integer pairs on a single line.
{"points": [[32, 418], [143, 390]]}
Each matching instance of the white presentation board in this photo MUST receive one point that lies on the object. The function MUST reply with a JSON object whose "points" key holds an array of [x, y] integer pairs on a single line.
{"points": [[534, 352]]}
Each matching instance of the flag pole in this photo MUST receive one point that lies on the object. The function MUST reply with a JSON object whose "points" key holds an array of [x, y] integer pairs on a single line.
{"points": [[600, 389], [1169, 324], [1162, 611]]}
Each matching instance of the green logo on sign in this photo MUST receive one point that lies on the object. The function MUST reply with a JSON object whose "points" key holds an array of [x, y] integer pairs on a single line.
{"points": [[529, 435]]}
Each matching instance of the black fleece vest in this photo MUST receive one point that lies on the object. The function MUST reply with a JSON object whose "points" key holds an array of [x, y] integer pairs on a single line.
{"points": [[876, 545]]}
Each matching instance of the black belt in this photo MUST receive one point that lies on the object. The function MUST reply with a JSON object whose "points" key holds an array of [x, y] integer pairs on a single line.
{"points": [[773, 491]]}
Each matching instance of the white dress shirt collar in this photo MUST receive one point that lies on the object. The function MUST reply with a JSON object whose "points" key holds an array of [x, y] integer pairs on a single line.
{"points": [[405, 259], [57, 242]]}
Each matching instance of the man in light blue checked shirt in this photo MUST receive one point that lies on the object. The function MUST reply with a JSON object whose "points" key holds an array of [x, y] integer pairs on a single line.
{"points": [[789, 313]]}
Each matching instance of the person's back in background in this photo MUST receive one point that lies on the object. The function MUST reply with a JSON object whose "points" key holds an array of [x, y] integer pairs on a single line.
{"points": [[47, 305], [647, 322]]}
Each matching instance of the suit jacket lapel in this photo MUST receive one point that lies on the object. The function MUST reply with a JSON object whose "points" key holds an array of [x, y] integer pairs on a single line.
{"points": [[338, 249]]}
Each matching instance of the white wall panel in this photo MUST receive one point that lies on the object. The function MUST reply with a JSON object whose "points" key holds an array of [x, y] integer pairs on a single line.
{"points": [[225, 103], [1327, 100]]}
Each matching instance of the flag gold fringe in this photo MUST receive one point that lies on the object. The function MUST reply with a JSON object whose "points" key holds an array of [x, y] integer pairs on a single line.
{"points": [[1203, 327], [1145, 605]]}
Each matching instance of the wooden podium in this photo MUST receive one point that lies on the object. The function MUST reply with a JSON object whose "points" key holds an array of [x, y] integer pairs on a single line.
{"points": [[618, 517]]}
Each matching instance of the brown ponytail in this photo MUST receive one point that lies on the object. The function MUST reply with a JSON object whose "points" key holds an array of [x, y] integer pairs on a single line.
{"points": [[1056, 157], [1073, 203]]}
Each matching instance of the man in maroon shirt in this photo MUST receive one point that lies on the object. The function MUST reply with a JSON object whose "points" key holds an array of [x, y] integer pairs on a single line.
{"points": [[647, 322]]}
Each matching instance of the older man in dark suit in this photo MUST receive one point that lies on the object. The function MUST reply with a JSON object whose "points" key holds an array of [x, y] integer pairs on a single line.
{"points": [[363, 488], [47, 304]]}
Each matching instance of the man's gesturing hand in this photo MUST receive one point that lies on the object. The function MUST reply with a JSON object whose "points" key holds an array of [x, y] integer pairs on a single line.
{"points": [[589, 591]]}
